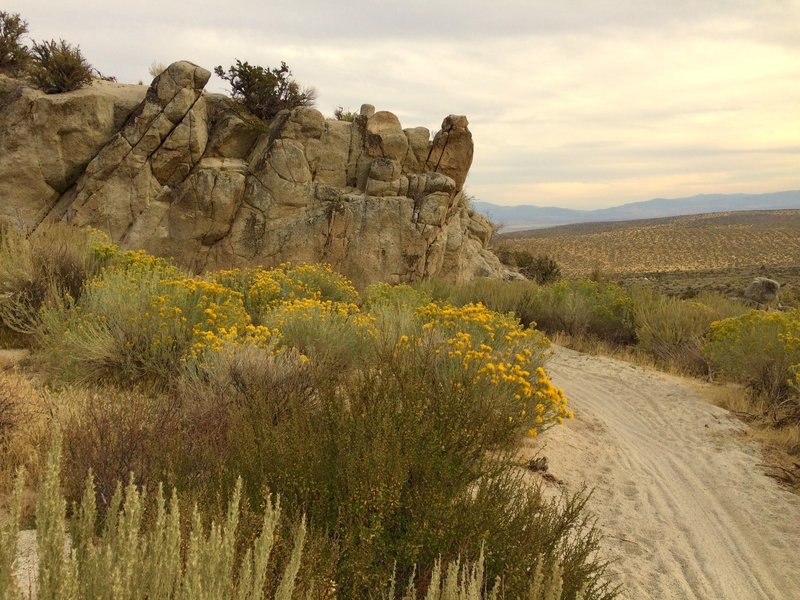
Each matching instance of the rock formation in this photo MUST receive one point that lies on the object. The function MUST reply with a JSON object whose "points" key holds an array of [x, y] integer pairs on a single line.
{"points": [[187, 174], [762, 291]]}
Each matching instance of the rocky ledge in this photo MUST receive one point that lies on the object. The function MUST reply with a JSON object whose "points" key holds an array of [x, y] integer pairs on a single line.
{"points": [[183, 173]]}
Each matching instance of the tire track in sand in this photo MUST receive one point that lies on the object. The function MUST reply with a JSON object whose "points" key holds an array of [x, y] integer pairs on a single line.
{"points": [[686, 511]]}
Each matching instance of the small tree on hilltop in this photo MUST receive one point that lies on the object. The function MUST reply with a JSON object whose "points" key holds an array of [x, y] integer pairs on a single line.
{"points": [[264, 91], [14, 56]]}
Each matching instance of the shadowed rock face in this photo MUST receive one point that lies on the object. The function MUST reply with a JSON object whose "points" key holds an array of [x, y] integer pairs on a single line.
{"points": [[187, 174]]}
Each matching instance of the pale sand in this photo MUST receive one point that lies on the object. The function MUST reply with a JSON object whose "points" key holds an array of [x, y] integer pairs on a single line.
{"points": [[685, 508]]}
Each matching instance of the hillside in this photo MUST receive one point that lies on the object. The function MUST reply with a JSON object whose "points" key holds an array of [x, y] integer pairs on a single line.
{"points": [[717, 251], [518, 218]]}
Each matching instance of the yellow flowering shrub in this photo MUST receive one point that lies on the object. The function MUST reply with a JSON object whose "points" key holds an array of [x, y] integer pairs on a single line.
{"points": [[335, 333], [759, 349], [264, 289], [480, 347], [382, 294], [132, 322]]}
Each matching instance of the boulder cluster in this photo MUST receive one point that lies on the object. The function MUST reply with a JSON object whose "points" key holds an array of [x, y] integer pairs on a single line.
{"points": [[183, 173]]}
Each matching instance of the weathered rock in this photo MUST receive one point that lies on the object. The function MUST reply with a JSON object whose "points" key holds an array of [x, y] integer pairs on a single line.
{"points": [[452, 150], [762, 291], [135, 168], [191, 175], [47, 140], [385, 137], [419, 143], [233, 131]]}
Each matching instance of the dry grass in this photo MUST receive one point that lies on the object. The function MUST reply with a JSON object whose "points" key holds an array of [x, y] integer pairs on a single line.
{"points": [[628, 353], [781, 445], [23, 428], [719, 252]]}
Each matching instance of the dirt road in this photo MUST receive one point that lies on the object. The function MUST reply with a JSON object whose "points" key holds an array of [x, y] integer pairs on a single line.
{"points": [[685, 509]]}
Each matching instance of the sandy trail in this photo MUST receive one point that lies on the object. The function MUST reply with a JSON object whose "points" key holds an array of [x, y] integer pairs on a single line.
{"points": [[685, 510]]}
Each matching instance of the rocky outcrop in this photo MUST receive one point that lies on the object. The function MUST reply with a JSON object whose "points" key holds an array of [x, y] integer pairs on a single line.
{"points": [[762, 291], [187, 174]]}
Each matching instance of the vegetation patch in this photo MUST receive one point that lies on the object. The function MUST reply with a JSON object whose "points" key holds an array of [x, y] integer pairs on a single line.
{"points": [[388, 425]]}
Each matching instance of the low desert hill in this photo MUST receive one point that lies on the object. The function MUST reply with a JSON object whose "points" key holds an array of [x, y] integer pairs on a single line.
{"points": [[716, 251]]}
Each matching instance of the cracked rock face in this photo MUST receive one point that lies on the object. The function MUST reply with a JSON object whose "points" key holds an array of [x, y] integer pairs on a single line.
{"points": [[187, 174]]}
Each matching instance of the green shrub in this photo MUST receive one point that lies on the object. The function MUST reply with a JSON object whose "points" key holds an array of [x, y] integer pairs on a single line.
{"points": [[542, 269], [585, 308], [402, 295], [673, 330], [141, 322], [344, 115], [263, 290], [14, 56], [518, 297], [760, 350], [264, 91], [59, 67], [56, 260], [393, 431], [144, 548], [394, 462]]}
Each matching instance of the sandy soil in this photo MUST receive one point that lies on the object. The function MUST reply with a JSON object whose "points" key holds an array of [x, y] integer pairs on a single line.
{"points": [[685, 509]]}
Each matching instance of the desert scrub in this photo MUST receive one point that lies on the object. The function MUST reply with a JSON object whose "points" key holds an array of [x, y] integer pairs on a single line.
{"points": [[265, 91], [503, 297], [760, 350], [145, 548], [58, 67], [55, 260], [401, 295], [142, 549], [136, 322], [484, 349], [393, 429], [264, 289], [673, 330], [398, 466], [334, 335], [14, 55], [585, 308]]}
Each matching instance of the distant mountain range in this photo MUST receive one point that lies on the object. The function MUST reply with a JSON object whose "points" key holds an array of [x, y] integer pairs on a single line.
{"points": [[527, 216]]}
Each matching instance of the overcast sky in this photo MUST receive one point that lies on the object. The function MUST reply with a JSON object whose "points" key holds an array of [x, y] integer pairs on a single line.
{"points": [[578, 103]]}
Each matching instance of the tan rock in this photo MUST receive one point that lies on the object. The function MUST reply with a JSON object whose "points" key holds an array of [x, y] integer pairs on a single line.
{"points": [[328, 159], [385, 137], [419, 144], [452, 149], [189, 175], [207, 202], [233, 132], [46, 141]]}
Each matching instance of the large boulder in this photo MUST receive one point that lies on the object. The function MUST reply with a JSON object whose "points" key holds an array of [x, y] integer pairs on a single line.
{"points": [[191, 175], [451, 152], [46, 141], [762, 291]]}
